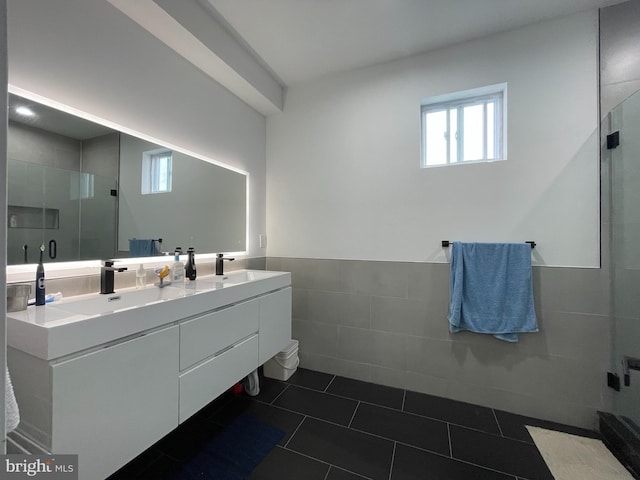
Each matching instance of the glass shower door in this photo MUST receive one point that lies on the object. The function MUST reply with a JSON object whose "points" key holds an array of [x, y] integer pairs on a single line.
{"points": [[625, 258], [73, 214]]}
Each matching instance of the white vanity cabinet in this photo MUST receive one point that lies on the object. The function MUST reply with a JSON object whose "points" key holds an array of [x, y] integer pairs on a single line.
{"points": [[219, 348], [203, 383], [108, 402], [216, 350], [206, 335], [275, 334], [106, 405]]}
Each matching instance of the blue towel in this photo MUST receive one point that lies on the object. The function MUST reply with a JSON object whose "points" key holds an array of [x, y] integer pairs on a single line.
{"points": [[142, 248], [490, 289]]}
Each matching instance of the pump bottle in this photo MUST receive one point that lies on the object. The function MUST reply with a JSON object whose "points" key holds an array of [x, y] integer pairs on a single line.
{"points": [[190, 269], [177, 271]]}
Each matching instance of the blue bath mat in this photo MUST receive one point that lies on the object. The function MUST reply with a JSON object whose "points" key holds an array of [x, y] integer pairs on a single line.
{"points": [[234, 453]]}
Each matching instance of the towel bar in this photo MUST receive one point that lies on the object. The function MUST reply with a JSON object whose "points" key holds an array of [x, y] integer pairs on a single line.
{"points": [[447, 243], [159, 240]]}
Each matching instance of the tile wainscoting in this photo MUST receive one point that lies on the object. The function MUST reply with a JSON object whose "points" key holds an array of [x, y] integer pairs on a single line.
{"points": [[386, 323]]}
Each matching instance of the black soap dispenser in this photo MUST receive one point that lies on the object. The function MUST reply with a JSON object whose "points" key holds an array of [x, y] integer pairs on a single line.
{"points": [[190, 268], [40, 291]]}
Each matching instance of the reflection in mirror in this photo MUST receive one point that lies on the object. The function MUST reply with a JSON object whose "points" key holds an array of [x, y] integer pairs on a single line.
{"points": [[88, 192], [187, 203]]}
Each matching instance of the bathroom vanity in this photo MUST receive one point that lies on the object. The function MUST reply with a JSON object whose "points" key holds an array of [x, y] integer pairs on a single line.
{"points": [[106, 376]]}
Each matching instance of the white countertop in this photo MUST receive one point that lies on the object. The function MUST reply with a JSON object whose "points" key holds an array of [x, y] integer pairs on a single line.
{"points": [[78, 323]]}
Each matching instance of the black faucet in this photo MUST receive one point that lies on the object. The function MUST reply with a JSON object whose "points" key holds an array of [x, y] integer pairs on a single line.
{"points": [[106, 277], [219, 263]]}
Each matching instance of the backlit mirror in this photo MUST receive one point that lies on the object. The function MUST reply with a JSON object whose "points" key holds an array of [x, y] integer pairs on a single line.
{"points": [[88, 192]]}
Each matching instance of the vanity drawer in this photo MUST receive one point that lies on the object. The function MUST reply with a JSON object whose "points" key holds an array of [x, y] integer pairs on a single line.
{"points": [[204, 336], [204, 383]]}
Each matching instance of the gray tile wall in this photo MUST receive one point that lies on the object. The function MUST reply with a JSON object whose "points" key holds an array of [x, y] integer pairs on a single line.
{"points": [[98, 213], [386, 322], [33, 145], [101, 155]]}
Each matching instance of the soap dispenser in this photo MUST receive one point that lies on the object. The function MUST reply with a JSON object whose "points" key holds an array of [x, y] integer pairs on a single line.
{"points": [[190, 269], [177, 270]]}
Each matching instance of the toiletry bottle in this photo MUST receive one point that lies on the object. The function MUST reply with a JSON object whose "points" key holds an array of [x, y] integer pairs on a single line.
{"points": [[190, 269], [40, 292], [177, 273], [141, 277]]}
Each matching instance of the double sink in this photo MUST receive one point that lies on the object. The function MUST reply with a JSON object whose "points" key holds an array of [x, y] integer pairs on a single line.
{"points": [[75, 324], [128, 299]]}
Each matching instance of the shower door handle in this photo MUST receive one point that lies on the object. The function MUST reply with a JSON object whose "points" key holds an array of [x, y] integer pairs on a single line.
{"points": [[53, 249]]}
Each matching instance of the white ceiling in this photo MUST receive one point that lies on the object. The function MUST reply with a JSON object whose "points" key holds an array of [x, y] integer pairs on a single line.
{"points": [[53, 120], [299, 40]]}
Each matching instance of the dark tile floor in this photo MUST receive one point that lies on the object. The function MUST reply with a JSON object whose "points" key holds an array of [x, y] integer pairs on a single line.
{"points": [[342, 429]]}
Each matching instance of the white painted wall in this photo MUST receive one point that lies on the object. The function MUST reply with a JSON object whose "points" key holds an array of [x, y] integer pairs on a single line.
{"points": [[343, 159], [89, 55]]}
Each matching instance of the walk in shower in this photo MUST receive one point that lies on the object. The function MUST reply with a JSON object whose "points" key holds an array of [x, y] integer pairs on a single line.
{"points": [[622, 156], [619, 33], [625, 254]]}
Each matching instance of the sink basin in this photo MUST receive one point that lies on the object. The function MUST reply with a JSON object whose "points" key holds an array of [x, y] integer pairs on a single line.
{"points": [[242, 276], [232, 279], [103, 304], [106, 304]]}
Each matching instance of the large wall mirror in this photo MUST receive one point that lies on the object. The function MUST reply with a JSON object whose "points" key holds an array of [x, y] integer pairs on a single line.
{"points": [[89, 192]]}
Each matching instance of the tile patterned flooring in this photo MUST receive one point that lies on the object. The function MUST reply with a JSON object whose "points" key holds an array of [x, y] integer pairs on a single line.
{"points": [[342, 429]]}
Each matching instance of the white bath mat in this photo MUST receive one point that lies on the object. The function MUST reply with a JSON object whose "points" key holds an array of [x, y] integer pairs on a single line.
{"points": [[570, 457]]}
